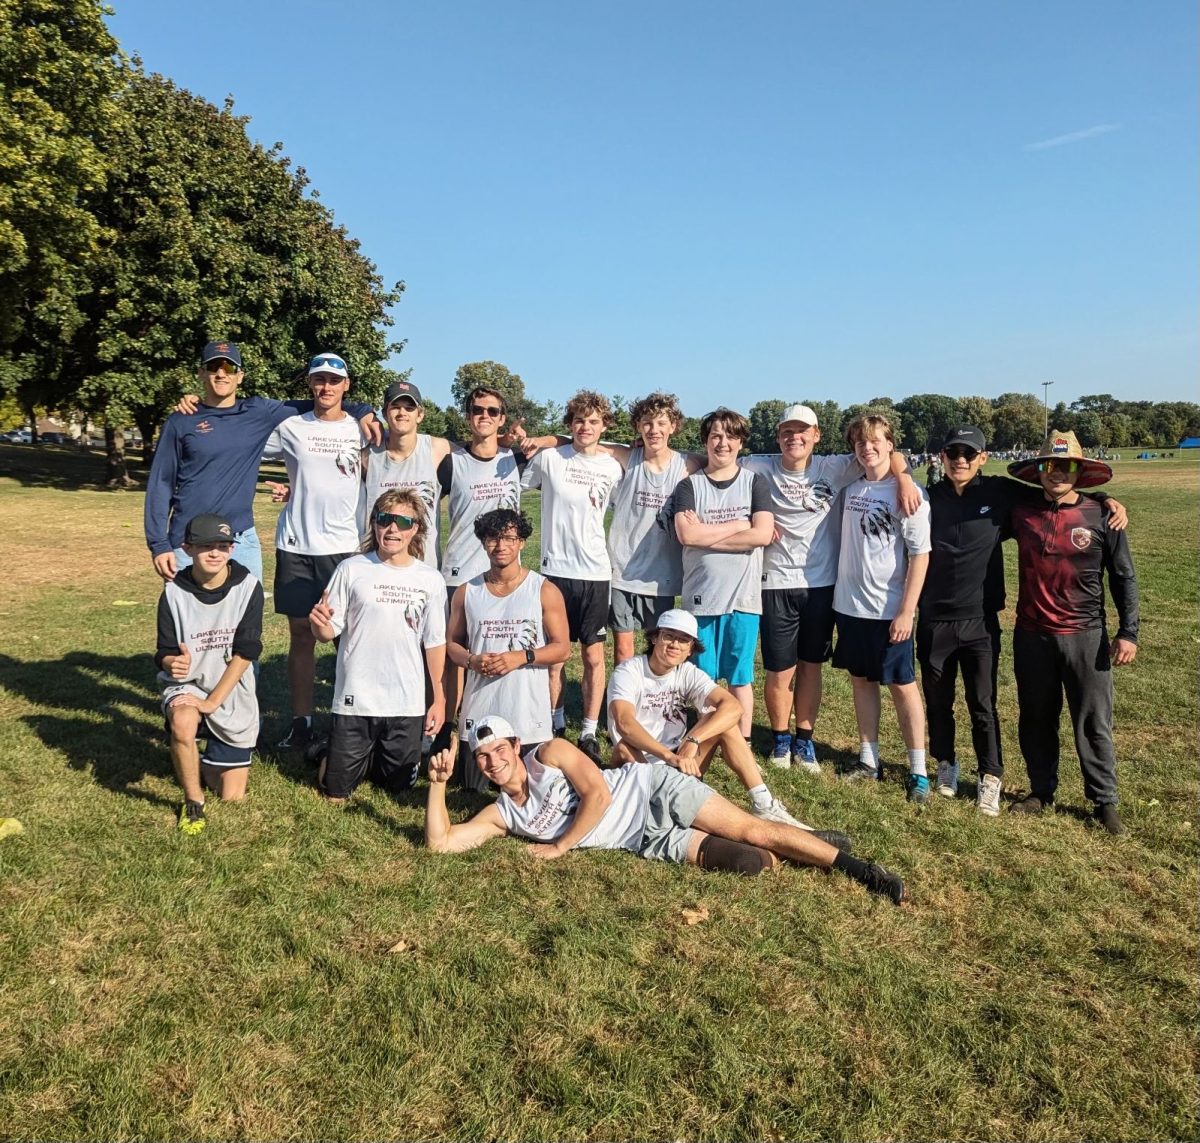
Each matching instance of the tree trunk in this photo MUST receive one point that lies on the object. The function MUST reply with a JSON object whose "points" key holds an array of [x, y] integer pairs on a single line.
{"points": [[147, 423], [31, 413], [114, 448]]}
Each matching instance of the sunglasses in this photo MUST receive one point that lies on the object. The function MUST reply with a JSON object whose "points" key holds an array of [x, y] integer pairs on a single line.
{"points": [[383, 519], [327, 361], [960, 452], [221, 364], [485, 410], [1058, 466]]}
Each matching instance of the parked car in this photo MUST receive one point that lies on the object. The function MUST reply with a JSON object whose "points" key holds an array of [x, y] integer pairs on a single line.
{"points": [[18, 436], [54, 438]]}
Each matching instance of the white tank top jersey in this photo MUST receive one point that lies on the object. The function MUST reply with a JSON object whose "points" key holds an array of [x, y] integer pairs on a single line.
{"points": [[876, 543], [552, 802], [645, 553], [385, 615], [418, 471], [807, 517], [507, 623], [719, 583], [322, 461], [575, 494], [660, 702], [476, 487]]}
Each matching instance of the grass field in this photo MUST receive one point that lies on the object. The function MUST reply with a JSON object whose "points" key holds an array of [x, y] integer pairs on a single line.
{"points": [[300, 971]]}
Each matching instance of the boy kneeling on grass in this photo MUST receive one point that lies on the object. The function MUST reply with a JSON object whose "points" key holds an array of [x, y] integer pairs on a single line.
{"points": [[559, 799], [209, 633]]}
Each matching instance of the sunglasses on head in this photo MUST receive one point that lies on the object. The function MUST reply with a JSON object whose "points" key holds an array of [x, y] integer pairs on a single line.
{"points": [[222, 364], [327, 361], [960, 452], [485, 410], [383, 519], [1058, 466]]}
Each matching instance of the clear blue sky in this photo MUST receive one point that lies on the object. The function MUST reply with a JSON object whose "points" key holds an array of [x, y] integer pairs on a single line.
{"points": [[837, 199]]}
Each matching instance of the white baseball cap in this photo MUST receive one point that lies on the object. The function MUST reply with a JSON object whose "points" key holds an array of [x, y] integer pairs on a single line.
{"points": [[797, 413], [488, 729], [678, 620]]}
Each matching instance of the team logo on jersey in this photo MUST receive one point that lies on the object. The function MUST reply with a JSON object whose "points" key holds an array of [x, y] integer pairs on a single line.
{"points": [[454, 571], [347, 462], [348, 700], [545, 561], [204, 427], [876, 523], [598, 493], [510, 498], [696, 601], [814, 497], [525, 637], [1081, 538], [414, 610], [424, 489]]}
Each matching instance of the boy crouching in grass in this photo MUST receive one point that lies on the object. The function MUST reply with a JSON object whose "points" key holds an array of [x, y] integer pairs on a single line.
{"points": [[209, 634]]}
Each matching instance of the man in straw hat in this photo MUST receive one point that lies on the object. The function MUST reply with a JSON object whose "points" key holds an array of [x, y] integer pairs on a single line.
{"points": [[1065, 545]]}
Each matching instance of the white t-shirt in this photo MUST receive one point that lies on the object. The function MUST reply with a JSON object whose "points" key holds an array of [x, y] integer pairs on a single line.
{"points": [[575, 493], [552, 802], [322, 461], [385, 615], [877, 542], [660, 702], [806, 553]]}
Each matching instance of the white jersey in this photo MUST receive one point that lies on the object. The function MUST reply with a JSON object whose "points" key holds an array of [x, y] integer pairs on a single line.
{"points": [[385, 615], [876, 544], [575, 493], [507, 623], [718, 583], [660, 702], [476, 486], [322, 461], [417, 471], [552, 802], [809, 527], [645, 553]]}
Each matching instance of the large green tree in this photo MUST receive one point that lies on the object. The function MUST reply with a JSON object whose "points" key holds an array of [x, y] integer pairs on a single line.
{"points": [[926, 419], [538, 419], [1019, 421], [764, 416]]}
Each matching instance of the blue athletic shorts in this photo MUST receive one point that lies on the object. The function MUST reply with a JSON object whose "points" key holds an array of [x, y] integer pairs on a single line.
{"points": [[729, 642]]}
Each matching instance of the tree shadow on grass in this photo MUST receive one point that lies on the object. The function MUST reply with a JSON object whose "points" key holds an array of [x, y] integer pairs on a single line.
{"points": [[64, 467]]}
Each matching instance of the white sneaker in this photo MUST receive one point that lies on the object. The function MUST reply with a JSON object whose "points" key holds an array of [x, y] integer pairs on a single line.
{"points": [[988, 799], [947, 783], [776, 811]]}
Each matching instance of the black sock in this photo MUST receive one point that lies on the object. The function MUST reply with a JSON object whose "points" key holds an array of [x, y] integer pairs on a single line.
{"points": [[803, 735], [851, 866]]}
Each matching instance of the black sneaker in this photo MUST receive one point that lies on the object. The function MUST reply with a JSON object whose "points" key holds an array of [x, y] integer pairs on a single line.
{"points": [[317, 750], [1107, 816], [1030, 804], [591, 748], [886, 884], [860, 772], [298, 737], [836, 838]]}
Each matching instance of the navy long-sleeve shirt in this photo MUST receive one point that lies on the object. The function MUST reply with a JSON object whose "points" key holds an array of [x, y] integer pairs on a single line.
{"points": [[208, 461]]}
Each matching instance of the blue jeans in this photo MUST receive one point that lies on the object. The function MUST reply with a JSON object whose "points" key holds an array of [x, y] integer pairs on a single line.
{"points": [[246, 550]]}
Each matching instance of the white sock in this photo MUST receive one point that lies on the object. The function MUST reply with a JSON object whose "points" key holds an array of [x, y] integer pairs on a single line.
{"points": [[558, 719], [588, 727], [760, 796], [868, 754], [916, 763]]}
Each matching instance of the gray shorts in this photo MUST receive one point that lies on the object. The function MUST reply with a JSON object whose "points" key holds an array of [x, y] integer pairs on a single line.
{"points": [[675, 800], [630, 612]]}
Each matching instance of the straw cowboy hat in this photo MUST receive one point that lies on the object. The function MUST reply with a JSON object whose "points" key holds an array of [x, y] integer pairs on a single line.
{"points": [[1062, 446]]}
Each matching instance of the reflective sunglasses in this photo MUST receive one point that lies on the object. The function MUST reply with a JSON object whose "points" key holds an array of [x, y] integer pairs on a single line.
{"points": [[222, 364], [485, 410], [327, 361], [1058, 466], [383, 519], [960, 452]]}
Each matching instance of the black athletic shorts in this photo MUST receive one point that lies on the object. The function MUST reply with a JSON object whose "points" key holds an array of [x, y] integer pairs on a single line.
{"points": [[587, 607], [385, 750], [299, 581], [864, 648], [797, 626]]}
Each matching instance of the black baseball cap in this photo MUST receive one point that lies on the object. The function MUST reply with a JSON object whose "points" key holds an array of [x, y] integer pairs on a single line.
{"points": [[968, 435], [225, 349], [208, 528], [398, 389]]}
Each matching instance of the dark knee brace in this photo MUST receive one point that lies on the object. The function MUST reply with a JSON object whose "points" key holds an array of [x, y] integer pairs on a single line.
{"points": [[732, 856]]}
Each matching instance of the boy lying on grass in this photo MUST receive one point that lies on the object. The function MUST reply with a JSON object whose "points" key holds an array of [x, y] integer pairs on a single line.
{"points": [[559, 799]]}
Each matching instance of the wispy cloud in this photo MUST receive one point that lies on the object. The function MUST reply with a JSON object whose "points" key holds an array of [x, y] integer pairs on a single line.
{"points": [[1073, 137]]}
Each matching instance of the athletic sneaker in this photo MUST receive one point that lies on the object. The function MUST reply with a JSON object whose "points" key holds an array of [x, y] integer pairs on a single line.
{"points": [[298, 737], [988, 798], [191, 817], [834, 837], [860, 771], [317, 750], [781, 758], [1030, 804], [804, 756], [776, 811], [917, 786], [887, 884], [591, 748], [1108, 817], [947, 779]]}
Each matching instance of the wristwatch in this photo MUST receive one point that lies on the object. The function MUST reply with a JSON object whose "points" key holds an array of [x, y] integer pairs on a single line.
{"points": [[529, 655]]}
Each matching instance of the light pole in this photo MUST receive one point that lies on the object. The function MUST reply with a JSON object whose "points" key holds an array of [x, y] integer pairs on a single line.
{"points": [[1046, 408]]}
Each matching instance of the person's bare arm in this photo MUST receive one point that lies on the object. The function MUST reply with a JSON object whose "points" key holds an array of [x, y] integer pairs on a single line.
{"points": [[457, 650], [724, 714], [760, 533], [435, 664], [692, 533], [909, 494], [587, 782], [555, 631], [320, 619], [440, 835], [634, 735], [914, 579]]}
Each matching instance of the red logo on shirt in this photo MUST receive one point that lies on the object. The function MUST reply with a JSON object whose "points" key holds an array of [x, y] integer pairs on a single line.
{"points": [[1081, 538], [204, 427]]}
